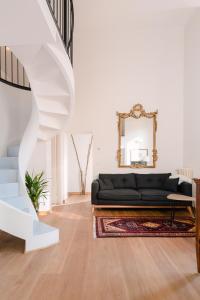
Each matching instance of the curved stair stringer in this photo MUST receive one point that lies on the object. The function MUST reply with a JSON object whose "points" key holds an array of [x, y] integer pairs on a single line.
{"points": [[39, 48], [64, 64], [26, 148], [51, 77]]}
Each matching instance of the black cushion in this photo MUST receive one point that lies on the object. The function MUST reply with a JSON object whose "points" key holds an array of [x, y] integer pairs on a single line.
{"points": [[120, 181], [119, 194], [106, 184], [185, 188], [153, 194], [151, 181], [95, 189], [171, 184]]}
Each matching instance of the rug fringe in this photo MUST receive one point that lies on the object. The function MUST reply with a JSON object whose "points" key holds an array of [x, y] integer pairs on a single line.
{"points": [[94, 228]]}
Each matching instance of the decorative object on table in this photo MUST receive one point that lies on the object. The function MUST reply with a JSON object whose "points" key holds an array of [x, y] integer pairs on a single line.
{"points": [[36, 186], [137, 138], [83, 173], [197, 181], [149, 226]]}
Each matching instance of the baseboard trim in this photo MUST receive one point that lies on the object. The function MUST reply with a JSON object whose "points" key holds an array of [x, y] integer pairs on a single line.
{"points": [[78, 194], [44, 213]]}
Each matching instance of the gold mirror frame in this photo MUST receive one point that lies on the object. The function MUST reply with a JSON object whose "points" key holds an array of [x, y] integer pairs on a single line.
{"points": [[137, 112]]}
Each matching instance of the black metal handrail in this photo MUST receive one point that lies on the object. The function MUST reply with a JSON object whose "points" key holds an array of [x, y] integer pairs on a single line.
{"points": [[70, 42], [12, 71], [63, 15]]}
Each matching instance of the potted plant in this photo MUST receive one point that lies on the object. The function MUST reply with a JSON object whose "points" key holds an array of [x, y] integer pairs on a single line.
{"points": [[36, 186]]}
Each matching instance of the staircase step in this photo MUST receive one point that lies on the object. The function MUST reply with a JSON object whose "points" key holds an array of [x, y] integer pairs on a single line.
{"points": [[50, 121], [58, 98], [58, 92], [43, 236], [9, 190], [49, 73], [13, 151], [17, 202], [53, 107], [43, 61], [41, 228], [45, 89], [15, 221], [8, 175], [8, 163], [46, 134]]}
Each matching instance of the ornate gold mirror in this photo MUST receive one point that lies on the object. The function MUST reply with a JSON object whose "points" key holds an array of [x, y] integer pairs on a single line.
{"points": [[137, 138]]}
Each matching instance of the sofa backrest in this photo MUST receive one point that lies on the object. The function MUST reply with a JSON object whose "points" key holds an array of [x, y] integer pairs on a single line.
{"points": [[120, 181], [135, 181], [151, 181]]}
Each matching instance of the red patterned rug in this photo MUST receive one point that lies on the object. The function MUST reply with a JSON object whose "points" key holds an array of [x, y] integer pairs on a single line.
{"points": [[144, 227]]}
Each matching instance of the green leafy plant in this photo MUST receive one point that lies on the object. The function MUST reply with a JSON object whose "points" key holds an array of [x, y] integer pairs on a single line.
{"points": [[36, 186]]}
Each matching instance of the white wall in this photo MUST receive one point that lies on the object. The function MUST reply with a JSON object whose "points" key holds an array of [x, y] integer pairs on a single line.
{"points": [[118, 67], [40, 160], [192, 95], [15, 109]]}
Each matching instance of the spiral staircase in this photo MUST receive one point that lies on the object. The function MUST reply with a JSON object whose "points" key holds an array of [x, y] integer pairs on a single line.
{"points": [[39, 45]]}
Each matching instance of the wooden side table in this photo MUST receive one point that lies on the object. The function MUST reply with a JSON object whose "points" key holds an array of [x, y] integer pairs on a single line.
{"points": [[174, 198]]}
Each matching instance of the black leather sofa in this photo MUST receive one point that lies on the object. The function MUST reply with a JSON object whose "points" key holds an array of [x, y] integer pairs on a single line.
{"points": [[137, 190]]}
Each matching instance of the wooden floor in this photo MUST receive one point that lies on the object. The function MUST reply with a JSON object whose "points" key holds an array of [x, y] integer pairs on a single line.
{"points": [[84, 268]]}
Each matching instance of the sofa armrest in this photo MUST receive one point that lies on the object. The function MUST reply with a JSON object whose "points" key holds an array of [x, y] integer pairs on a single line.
{"points": [[95, 190], [185, 188]]}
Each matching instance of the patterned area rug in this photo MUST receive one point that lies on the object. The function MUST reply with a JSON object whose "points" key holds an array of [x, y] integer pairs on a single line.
{"points": [[144, 227]]}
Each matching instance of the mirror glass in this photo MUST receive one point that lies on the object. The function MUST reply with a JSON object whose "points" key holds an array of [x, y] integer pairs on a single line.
{"points": [[137, 142]]}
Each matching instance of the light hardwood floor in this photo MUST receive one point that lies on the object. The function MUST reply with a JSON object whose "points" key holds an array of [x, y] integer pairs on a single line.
{"points": [[83, 268]]}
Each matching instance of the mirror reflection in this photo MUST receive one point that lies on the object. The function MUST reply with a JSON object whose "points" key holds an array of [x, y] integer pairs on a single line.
{"points": [[137, 141]]}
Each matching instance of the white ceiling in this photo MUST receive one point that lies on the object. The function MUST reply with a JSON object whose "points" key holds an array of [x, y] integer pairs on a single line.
{"points": [[138, 12]]}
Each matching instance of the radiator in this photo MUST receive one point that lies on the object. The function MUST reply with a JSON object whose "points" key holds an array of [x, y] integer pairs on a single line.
{"points": [[188, 172]]}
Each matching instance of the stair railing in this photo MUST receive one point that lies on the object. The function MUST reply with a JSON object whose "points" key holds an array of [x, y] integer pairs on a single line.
{"points": [[12, 71], [63, 15]]}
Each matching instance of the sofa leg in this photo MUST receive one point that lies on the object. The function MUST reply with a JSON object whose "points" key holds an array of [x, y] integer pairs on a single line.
{"points": [[191, 211]]}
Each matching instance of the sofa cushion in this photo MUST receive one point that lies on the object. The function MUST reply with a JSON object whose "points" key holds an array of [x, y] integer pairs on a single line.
{"points": [[119, 194], [120, 181], [185, 188], [171, 184], [106, 184], [151, 181], [182, 178], [153, 194]]}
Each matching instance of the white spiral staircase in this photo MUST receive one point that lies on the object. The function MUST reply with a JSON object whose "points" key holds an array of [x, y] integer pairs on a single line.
{"points": [[35, 41]]}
